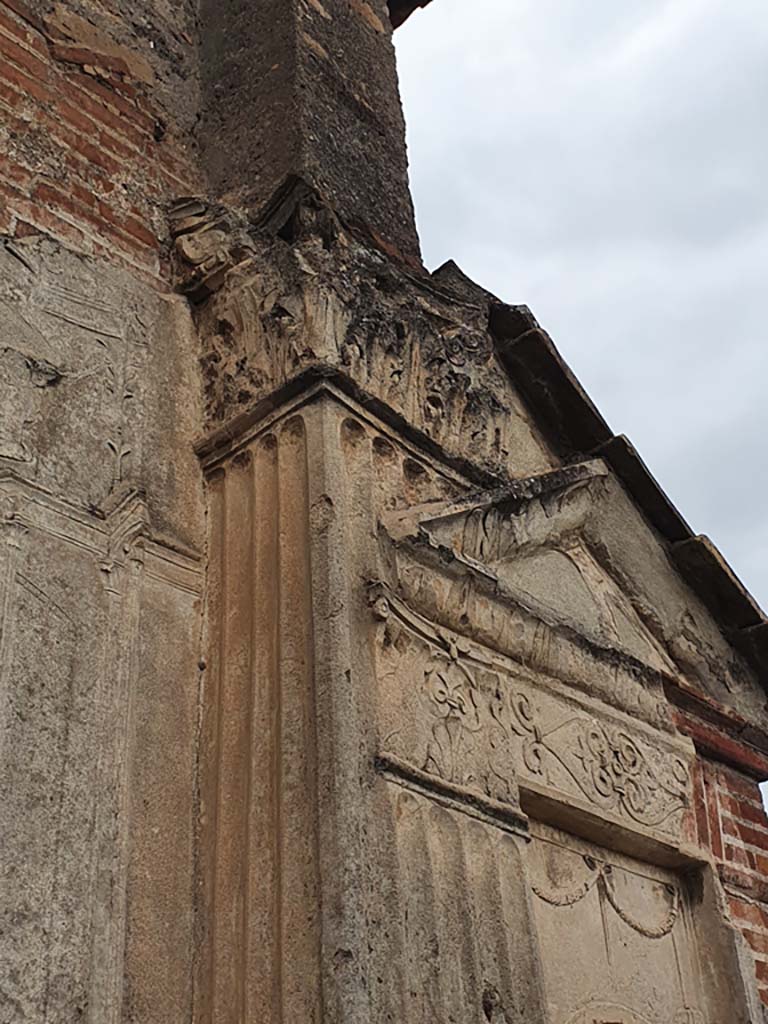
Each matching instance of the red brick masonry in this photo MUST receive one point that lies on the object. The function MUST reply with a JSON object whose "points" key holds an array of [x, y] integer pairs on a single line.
{"points": [[85, 152], [732, 824]]}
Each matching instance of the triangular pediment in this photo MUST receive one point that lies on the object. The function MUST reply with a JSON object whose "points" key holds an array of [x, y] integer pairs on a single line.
{"points": [[570, 547], [532, 539]]}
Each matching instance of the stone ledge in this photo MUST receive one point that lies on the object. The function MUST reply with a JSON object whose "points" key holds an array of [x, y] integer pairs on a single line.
{"points": [[457, 798]]}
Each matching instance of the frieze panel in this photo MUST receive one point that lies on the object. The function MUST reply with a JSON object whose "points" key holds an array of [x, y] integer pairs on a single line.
{"points": [[611, 769], [268, 311], [453, 595], [471, 718]]}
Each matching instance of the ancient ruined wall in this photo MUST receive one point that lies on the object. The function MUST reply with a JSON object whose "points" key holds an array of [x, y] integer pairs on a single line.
{"points": [[98, 102], [499, 792], [101, 516], [350, 668], [457, 738]]}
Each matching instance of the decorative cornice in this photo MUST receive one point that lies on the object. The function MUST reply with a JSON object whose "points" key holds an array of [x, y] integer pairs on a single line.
{"points": [[576, 429]]}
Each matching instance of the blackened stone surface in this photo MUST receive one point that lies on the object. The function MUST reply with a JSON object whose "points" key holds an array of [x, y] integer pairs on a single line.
{"points": [[308, 88], [401, 10]]}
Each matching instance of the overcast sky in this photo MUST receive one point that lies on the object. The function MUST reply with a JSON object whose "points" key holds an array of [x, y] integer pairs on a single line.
{"points": [[606, 163]]}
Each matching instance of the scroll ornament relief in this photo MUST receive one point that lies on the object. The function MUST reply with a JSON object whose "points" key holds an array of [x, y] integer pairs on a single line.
{"points": [[488, 726], [610, 767], [607, 765]]}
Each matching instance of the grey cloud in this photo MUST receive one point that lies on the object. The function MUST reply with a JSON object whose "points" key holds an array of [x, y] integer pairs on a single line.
{"points": [[607, 163]]}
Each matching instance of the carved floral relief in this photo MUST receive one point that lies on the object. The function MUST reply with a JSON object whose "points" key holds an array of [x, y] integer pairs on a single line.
{"points": [[268, 312], [467, 716], [451, 697]]}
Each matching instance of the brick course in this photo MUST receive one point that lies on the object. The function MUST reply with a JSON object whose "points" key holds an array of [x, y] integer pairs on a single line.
{"points": [[732, 824], [87, 158]]}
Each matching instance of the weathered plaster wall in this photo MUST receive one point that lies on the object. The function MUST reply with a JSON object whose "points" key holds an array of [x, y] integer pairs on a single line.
{"points": [[101, 524], [101, 516]]}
